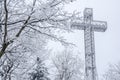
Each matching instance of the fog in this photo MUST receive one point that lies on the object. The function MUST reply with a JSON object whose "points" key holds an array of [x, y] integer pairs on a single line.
{"points": [[107, 43]]}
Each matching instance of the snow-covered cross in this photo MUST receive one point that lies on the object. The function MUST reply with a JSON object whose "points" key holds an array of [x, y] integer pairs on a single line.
{"points": [[89, 26]]}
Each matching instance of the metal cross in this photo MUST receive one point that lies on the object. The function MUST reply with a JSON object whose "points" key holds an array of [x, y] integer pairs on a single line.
{"points": [[89, 26]]}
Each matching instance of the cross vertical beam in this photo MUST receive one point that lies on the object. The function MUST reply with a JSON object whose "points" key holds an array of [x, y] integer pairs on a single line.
{"points": [[89, 26], [89, 46]]}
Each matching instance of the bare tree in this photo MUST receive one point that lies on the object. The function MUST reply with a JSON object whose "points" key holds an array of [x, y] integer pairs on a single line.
{"points": [[6, 70], [20, 56], [21, 20], [113, 73], [20, 17], [68, 66], [40, 72], [11, 62]]}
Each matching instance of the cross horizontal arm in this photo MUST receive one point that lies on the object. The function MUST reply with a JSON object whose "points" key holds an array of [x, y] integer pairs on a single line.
{"points": [[99, 26], [78, 25]]}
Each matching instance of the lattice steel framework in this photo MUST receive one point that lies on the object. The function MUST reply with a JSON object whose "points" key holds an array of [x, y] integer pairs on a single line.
{"points": [[89, 26]]}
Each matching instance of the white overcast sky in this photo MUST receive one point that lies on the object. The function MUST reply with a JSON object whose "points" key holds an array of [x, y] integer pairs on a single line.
{"points": [[107, 44]]}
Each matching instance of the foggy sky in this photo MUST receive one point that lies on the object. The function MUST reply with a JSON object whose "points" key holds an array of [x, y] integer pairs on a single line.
{"points": [[107, 44]]}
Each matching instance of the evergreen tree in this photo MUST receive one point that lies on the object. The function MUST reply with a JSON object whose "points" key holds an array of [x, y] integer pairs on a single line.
{"points": [[40, 72]]}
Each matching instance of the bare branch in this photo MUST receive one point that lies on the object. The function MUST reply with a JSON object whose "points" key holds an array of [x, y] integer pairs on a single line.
{"points": [[6, 19]]}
